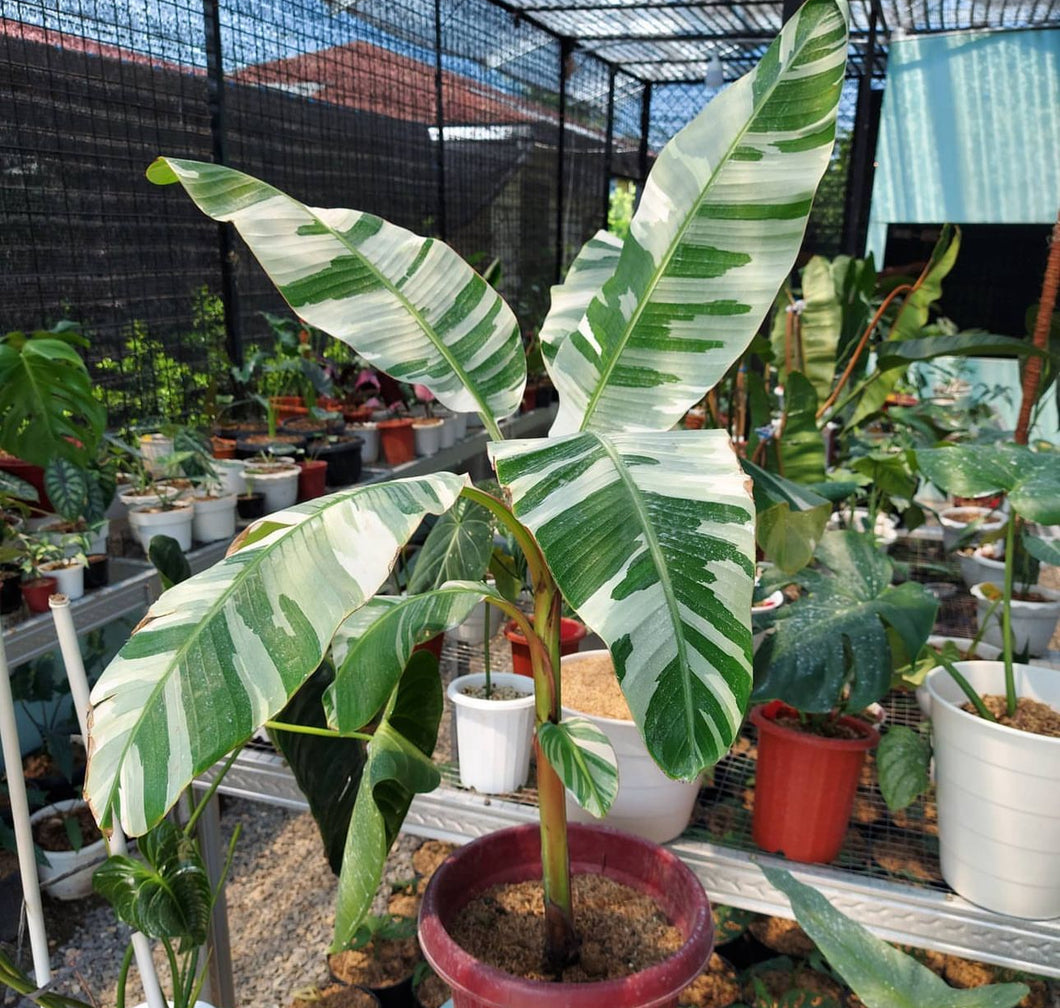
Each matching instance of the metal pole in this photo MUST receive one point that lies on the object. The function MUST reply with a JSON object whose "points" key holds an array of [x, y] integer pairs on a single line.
{"points": [[645, 127], [215, 90], [860, 169], [208, 830], [609, 143], [439, 118], [27, 861], [566, 48], [75, 674]]}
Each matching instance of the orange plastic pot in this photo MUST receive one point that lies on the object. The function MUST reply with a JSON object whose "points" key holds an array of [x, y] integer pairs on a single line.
{"points": [[311, 479], [571, 633], [514, 855], [805, 785], [223, 448], [396, 440]]}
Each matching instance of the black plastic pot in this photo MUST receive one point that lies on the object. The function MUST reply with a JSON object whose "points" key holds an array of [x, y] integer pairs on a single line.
{"points": [[343, 459], [250, 506], [10, 594], [97, 573]]}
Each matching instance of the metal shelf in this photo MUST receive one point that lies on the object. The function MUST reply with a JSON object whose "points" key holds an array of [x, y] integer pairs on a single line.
{"points": [[903, 913]]}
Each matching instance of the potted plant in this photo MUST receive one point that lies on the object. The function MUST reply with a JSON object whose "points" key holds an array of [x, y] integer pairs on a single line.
{"points": [[612, 482], [73, 846], [998, 833], [274, 476], [37, 584], [829, 658]]}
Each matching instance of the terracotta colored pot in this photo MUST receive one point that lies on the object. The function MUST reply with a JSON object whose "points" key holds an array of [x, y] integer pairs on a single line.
{"points": [[805, 785], [37, 592], [396, 440], [223, 448], [514, 855], [571, 633], [311, 479]]}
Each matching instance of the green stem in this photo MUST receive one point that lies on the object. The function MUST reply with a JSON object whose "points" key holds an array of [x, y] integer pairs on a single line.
{"points": [[123, 976], [966, 687], [189, 828], [297, 729], [1006, 615]]}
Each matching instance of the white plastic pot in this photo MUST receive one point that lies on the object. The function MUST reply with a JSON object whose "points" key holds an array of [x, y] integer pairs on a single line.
{"points": [[154, 448], [493, 737], [68, 874], [280, 487], [448, 430], [471, 630], [955, 521], [427, 436], [230, 475], [149, 521], [987, 652], [885, 530], [977, 568], [1033, 623], [996, 787], [648, 803], [69, 580], [162, 491], [460, 425], [369, 435], [214, 518]]}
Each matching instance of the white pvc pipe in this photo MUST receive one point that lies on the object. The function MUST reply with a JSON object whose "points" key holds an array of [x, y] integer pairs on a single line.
{"points": [[27, 861], [75, 673]]}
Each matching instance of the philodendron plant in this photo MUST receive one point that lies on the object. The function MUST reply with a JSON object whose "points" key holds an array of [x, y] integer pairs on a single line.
{"points": [[646, 532]]}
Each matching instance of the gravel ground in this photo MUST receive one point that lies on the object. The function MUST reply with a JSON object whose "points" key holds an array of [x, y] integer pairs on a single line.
{"points": [[280, 896]]}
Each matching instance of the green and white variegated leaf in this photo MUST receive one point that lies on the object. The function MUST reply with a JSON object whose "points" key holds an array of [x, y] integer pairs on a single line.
{"points": [[409, 305], [650, 537], [221, 653], [398, 767], [719, 225], [582, 756], [593, 265], [373, 645]]}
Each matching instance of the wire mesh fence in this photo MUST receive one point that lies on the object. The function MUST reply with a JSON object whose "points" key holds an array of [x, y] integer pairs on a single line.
{"points": [[453, 118]]}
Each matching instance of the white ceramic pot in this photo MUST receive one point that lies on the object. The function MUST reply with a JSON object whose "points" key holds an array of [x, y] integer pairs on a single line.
{"points": [[648, 803], [472, 629], [69, 580], [427, 436], [279, 486], [493, 737], [955, 521], [214, 518], [68, 874], [1033, 623], [148, 521], [154, 448], [230, 475], [369, 435], [987, 652], [996, 790]]}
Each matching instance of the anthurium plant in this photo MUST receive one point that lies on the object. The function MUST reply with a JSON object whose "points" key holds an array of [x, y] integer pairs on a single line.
{"points": [[646, 532]]}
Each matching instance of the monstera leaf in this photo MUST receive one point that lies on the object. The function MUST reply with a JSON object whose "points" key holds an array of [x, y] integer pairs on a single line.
{"points": [[409, 305], [222, 652], [837, 634], [717, 230]]}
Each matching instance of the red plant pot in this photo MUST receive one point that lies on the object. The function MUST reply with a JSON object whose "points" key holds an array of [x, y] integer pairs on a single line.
{"points": [[805, 785], [34, 476], [571, 633], [396, 440], [311, 479], [434, 645], [37, 592], [514, 855]]}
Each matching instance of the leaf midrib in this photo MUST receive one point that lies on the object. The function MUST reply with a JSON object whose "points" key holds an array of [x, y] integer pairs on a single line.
{"points": [[603, 383]]}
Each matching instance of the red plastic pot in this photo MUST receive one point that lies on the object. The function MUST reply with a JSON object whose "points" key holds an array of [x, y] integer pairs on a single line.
{"points": [[396, 440], [514, 855], [311, 479], [34, 476], [37, 592], [805, 785], [571, 633], [434, 645]]}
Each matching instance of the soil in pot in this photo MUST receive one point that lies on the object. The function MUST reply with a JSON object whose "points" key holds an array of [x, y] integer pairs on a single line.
{"points": [[385, 967], [337, 995], [255, 444], [1031, 715], [53, 833], [623, 931]]}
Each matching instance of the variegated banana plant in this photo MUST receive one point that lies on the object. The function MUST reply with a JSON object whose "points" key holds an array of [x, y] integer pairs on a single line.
{"points": [[648, 533]]}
